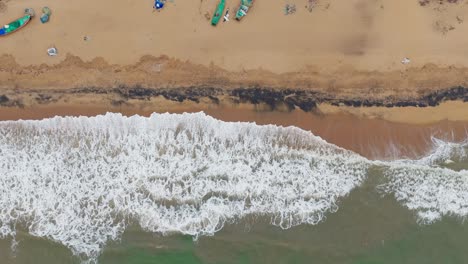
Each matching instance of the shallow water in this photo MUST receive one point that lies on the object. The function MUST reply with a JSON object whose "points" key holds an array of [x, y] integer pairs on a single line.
{"points": [[191, 189], [366, 229]]}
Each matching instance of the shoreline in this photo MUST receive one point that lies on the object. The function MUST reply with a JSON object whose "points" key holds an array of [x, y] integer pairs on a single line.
{"points": [[360, 34], [179, 81], [374, 138]]}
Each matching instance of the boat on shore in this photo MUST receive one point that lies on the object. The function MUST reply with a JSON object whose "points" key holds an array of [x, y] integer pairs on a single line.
{"points": [[243, 9], [218, 12], [15, 25]]}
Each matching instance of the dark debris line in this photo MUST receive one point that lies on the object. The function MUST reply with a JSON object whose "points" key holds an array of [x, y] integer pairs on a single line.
{"points": [[306, 100]]}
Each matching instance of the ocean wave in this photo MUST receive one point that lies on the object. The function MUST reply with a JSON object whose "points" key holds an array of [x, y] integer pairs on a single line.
{"points": [[431, 192], [427, 186], [81, 181], [444, 152]]}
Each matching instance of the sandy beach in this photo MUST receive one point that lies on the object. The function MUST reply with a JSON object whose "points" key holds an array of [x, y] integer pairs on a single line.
{"points": [[361, 34], [337, 62], [349, 49]]}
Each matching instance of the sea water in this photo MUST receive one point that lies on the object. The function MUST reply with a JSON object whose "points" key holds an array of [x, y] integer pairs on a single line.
{"points": [[187, 188]]}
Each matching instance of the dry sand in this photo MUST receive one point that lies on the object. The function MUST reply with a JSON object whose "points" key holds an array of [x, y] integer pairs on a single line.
{"points": [[364, 34]]}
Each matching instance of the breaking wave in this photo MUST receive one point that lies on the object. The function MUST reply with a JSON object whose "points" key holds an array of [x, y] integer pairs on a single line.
{"points": [[81, 181], [428, 186]]}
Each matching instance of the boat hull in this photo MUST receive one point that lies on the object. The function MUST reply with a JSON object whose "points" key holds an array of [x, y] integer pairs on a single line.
{"points": [[15, 25], [218, 13]]}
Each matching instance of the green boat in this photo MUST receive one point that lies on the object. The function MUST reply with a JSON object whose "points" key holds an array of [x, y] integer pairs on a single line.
{"points": [[218, 13], [243, 8], [15, 25]]}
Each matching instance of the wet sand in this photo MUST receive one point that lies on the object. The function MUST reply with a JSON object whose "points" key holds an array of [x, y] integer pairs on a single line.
{"points": [[371, 137]]}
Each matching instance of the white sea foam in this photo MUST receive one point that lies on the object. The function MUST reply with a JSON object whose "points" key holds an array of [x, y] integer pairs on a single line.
{"points": [[80, 181], [432, 191], [443, 151]]}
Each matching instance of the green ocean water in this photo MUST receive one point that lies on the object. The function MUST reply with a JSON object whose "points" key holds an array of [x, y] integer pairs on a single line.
{"points": [[367, 229]]}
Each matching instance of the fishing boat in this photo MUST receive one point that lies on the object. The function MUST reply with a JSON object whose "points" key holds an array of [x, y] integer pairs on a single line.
{"points": [[15, 25], [243, 8], [218, 12]]}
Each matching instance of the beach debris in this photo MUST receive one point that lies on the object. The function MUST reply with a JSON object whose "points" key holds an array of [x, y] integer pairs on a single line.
{"points": [[226, 16], [207, 16], [424, 2], [3, 6], [30, 12], [4, 99], [438, 2], [86, 38], [443, 27], [290, 9], [449, 161], [405, 61], [45, 14], [156, 67], [52, 51], [311, 4]]}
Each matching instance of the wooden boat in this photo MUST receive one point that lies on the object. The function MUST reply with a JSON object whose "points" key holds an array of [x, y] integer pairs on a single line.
{"points": [[243, 8], [218, 13], [15, 25]]}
